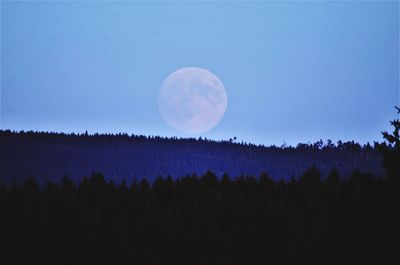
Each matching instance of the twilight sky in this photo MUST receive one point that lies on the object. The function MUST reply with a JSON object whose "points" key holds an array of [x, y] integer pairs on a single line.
{"points": [[294, 71]]}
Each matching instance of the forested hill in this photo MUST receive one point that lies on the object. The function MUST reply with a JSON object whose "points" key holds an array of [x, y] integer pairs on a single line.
{"points": [[50, 156]]}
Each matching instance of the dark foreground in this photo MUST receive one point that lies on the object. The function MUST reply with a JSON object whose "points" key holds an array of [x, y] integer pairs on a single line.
{"points": [[201, 220]]}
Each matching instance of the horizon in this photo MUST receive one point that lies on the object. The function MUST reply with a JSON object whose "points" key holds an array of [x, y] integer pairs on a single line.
{"points": [[201, 138]]}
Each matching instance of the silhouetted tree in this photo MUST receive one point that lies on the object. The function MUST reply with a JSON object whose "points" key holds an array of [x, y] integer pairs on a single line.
{"points": [[391, 153]]}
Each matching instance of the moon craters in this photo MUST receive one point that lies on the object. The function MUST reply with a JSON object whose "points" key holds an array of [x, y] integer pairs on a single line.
{"points": [[192, 100]]}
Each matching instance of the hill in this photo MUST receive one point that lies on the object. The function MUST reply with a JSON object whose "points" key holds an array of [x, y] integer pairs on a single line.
{"points": [[50, 156]]}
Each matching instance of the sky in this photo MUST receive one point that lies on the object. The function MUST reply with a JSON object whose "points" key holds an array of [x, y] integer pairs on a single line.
{"points": [[294, 71]]}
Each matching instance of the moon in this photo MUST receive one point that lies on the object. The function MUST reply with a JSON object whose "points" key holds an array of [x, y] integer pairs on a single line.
{"points": [[192, 100]]}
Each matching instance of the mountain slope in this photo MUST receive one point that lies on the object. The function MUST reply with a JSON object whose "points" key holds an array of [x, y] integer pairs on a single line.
{"points": [[49, 156]]}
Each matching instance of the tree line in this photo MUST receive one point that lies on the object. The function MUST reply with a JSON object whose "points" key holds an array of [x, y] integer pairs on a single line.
{"points": [[200, 220], [206, 219], [50, 156]]}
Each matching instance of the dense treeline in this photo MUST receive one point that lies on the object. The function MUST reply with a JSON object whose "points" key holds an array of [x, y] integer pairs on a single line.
{"points": [[49, 156], [201, 220], [206, 219]]}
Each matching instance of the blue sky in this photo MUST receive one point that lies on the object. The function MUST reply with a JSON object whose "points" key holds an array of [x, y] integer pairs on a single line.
{"points": [[294, 71]]}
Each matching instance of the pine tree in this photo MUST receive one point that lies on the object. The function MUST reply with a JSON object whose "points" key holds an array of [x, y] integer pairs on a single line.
{"points": [[391, 153]]}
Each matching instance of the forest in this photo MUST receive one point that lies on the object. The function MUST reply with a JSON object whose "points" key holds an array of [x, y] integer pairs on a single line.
{"points": [[205, 218], [202, 220], [50, 156]]}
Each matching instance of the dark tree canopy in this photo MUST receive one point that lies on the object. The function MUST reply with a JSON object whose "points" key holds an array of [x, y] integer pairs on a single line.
{"points": [[318, 216], [200, 220], [391, 152], [50, 156]]}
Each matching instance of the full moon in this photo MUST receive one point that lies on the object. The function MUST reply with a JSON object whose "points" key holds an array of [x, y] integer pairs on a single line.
{"points": [[192, 100]]}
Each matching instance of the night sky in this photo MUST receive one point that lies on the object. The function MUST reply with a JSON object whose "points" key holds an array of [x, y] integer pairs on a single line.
{"points": [[293, 71]]}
